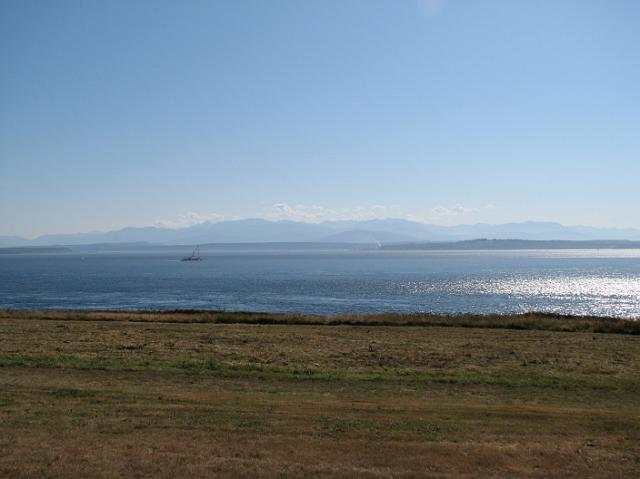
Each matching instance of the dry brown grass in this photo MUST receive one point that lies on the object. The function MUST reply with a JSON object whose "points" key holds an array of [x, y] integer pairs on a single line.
{"points": [[124, 398]]}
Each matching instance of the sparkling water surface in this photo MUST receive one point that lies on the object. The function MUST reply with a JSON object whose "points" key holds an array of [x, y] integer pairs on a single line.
{"points": [[582, 282]]}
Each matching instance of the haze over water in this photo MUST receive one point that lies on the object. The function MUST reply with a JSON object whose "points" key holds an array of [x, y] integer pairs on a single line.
{"points": [[579, 282]]}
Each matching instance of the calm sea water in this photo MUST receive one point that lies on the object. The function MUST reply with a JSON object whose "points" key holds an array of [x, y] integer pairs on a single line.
{"points": [[604, 282]]}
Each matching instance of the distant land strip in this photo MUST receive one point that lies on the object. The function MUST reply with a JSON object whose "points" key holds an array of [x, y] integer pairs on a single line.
{"points": [[35, 249], [524, 321], [513, 244]]}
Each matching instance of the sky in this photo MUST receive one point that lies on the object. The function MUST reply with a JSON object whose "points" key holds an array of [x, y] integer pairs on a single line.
{"points": [[133, 112]]}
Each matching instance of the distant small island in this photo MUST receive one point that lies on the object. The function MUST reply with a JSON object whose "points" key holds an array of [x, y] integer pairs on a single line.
{"points": [[514, 244], [35, 250]]}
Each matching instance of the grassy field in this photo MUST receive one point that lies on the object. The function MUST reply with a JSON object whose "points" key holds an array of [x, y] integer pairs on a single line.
{"points": [[200, 394]]}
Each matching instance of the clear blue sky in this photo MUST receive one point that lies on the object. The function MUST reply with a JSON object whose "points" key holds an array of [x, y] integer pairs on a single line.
{"points": [[116, 113]]}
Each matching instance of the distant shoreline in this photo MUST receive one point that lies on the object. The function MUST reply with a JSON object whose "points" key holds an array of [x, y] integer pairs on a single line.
{"points": [[512, 244], [36, 250]]}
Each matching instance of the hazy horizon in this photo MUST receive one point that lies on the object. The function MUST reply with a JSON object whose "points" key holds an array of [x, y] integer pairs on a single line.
{"points": [[190, 219], [446, 112], [372, 230], [182, 226]]}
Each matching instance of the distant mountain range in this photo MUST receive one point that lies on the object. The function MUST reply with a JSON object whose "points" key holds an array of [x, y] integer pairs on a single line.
{"points": [[372, 231]]}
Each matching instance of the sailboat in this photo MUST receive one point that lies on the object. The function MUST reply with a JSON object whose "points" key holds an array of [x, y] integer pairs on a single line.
{"points": [[195, 256]]}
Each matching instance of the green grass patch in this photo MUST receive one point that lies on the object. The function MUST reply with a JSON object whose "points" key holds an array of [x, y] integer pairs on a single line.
{"points": [[511, 379]]}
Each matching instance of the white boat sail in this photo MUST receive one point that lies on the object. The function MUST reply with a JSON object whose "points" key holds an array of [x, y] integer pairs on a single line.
{"points": [[195, 256]]}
